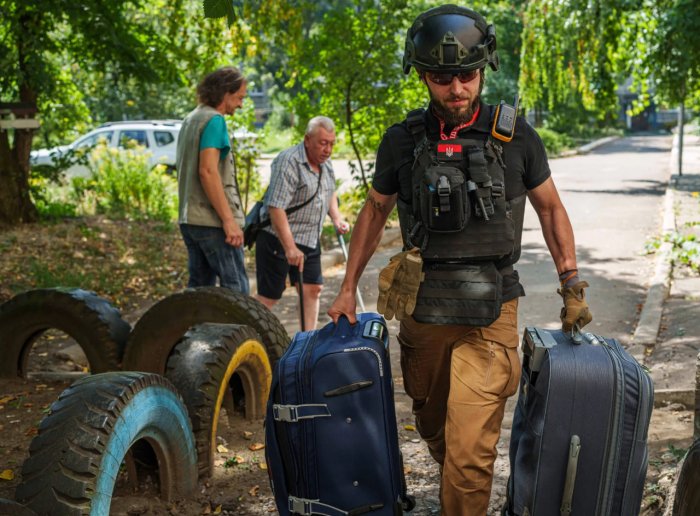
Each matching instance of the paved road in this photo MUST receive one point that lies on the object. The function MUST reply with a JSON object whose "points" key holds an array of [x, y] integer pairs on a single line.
{"points": [[614, 198]]}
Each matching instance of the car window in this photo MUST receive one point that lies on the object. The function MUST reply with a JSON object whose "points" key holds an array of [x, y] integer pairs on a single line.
{"points": [[163, 138], [138, 136], [94, 139]]}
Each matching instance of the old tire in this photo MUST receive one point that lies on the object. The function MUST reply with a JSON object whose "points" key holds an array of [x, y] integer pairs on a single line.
{"points": [[155, 334], [89, 319], [10, 508], [202, 367], [75, 459], [687, 499]]}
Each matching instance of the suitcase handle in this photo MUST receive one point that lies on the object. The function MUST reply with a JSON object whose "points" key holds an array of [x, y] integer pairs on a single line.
{"points": [[343, 326], [571, 468]]}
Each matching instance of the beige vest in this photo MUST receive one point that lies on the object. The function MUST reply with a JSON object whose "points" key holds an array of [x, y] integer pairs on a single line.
{"points": [[194, 205]]}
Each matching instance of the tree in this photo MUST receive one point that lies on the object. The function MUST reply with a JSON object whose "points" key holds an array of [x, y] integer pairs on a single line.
{"points": [[33, 37], [576, 53]]}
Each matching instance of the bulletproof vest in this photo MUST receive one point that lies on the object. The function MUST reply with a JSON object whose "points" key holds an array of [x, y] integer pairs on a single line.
{"points": [[468, 233]]}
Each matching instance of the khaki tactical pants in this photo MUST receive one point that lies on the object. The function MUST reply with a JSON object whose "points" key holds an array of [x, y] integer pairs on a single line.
{"points": [[459, 378]]}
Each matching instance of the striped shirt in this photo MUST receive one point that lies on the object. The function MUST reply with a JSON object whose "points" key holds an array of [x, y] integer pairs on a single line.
{"points": [[292, 182]]}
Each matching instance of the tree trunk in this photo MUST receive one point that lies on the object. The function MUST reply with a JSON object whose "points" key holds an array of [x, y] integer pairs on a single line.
{"points": [[15, 204]]}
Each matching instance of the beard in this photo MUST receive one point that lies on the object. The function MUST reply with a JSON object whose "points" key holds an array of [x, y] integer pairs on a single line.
{"points": [[456, 116]]}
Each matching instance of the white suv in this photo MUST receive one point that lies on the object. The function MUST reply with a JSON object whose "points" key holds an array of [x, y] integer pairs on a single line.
{"points": [[158, 137]]}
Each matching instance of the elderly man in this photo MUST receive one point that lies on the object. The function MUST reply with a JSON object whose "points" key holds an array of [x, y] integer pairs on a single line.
{"points": [[301, 193]]}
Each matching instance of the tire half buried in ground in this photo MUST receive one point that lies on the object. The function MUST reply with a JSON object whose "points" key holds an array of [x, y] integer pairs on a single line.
{"points": [[155, 334], [76, 458], [687, 499], [214, 363], [89, 319]]}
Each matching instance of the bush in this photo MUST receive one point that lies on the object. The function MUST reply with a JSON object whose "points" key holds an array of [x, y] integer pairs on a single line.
{"points": [[123, 185], [554, 142]]}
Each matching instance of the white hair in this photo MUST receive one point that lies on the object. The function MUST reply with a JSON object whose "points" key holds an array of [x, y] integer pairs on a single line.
{"points": [[319, 121]]}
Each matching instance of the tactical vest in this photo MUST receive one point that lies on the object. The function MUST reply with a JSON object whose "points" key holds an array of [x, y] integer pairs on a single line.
{"points": [[468, 232]]}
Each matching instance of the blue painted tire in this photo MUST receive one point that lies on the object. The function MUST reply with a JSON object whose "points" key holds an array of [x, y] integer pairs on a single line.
{"points": [[75, 459]]}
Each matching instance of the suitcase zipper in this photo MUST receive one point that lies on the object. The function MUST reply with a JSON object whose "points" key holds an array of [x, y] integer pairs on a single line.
{"points": [[304, 385], [613, 445], [645, 391], [364, 348]]}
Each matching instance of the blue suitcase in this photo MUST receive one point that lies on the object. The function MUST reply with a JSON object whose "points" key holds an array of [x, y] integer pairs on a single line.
{"points": [[579, 438], [331, 441]]}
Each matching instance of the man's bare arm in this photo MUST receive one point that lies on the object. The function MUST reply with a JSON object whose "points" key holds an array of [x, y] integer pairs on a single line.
{"points": [[556, 227], [366, 236]]}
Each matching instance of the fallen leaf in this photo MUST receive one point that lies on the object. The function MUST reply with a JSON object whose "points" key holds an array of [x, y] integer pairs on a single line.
{"points": [[31, 431], [7, 474], [221, 448], [206, 509], [6, 399], [247, 434], [410, 428], [253, 491], [262, 465], [256, 446], [218, 509], [407, 470]]}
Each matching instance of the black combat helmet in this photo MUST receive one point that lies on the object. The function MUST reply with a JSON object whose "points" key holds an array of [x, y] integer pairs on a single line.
{"points": [[450, 38]]}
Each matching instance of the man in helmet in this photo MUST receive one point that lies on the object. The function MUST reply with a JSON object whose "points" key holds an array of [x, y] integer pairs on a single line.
{"points": [[459, 173]]}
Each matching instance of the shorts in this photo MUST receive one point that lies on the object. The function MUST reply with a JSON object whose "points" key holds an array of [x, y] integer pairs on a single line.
{"points": [[272, 266]]}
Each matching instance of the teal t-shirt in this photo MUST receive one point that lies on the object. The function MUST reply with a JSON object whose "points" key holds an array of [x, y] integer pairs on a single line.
{"points": [[215, 136]]}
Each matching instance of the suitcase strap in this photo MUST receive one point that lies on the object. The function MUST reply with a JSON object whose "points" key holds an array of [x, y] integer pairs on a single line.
{"points": [[308, 507], [293, 413]]}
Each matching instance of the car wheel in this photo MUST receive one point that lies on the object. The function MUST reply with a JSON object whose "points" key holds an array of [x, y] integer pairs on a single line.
{"points": [[75, 459], [89, 319]]}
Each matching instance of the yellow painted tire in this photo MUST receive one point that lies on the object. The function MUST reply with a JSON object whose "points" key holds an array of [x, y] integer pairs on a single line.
{"points": [[217, 365]]}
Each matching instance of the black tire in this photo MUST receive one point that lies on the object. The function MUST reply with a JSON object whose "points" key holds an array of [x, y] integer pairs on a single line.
{"points": [[155, 334], [10, 508], [75, 459], [89, 319], [202, 367], [687, 499]]}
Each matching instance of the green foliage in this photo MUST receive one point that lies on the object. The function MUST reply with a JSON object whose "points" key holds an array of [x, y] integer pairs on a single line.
{"points": [[123, 185], [580, 51], [685, 248], [553, 141], [356, 79]]}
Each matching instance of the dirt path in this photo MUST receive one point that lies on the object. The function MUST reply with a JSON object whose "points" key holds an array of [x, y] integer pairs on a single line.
{"points": [[240, 485]]}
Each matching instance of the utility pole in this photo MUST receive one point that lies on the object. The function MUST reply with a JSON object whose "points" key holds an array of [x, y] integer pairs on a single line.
{"points": [[681, 122]]}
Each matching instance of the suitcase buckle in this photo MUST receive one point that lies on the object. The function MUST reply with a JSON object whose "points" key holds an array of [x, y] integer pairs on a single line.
{"points": [[286, 413], [299, 505]]}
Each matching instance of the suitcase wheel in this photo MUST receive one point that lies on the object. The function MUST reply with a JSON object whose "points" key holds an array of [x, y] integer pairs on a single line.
{"points": [[408, 503]]}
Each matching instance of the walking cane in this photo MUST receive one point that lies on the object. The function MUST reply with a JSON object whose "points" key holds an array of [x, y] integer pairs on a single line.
{"points": [[341, 241], [301, 299]]}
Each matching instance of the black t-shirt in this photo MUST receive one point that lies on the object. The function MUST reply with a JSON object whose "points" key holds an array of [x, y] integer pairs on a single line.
{"points": [[525, 158]]}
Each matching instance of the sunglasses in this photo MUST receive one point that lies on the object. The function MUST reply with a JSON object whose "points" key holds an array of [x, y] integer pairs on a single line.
{"points": [[443, 79]]}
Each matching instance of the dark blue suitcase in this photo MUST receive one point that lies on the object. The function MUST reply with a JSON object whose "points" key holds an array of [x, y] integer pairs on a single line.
{"points": [[579, 438], [331, 441]]}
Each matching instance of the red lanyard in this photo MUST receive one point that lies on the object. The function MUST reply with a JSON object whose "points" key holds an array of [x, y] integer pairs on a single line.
{"points": [[457, 129]]}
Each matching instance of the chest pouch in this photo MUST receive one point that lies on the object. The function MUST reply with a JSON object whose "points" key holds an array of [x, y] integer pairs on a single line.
{"points": [[444, 200]]}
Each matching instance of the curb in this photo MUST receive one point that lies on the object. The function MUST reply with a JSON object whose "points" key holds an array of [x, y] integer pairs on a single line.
{"points": [[650, 318], [584, 149]]}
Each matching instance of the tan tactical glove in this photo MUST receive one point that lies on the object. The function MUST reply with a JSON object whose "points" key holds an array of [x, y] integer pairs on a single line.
{"points": [[398, 284], [575, 310]]}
